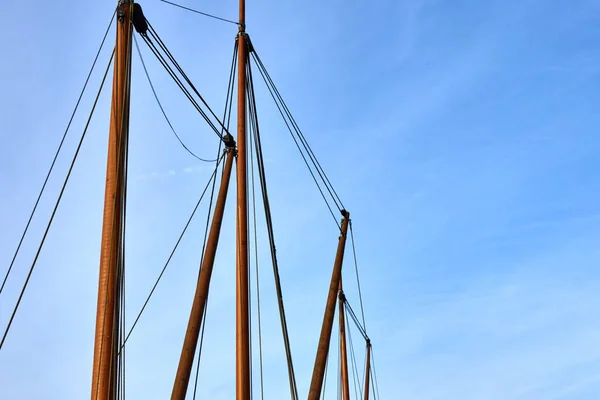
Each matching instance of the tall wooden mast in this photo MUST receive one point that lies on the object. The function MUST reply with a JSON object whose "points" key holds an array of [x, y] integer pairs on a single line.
{"points": [[368, 370], [106, 338], [343, 351], [242, 286], [316, 383], [191, 335]]}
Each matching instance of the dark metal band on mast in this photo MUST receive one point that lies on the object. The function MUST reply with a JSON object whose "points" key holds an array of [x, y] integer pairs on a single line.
{"points": [[316, 383]]}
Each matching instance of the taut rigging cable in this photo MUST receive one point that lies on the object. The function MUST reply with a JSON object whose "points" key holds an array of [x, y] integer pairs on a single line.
{"points": [[271, 235], [309, 150], [57, 153], [56, 205], [299, 140], [355, 379], [201, 13], [148, 39], [170, 256], [227, 120]]}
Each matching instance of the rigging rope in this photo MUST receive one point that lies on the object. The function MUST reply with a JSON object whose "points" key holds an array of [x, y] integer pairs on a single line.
{"points": [[325, 377], [362, 310], [267, 209], [203, 322], [253, 195], [57, 153], [176, 79], [310, 152], [294, 131], [355, 319], [374, 373], [121, 388], [161, 107], [307, 147], [201, 13], [354, 364], [163, 47], [10, 321], [171, 255], [227, 118], [118, 217]]}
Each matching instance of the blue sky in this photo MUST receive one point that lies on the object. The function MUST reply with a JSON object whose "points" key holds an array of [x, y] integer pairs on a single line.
{"points": [[462, 137]]}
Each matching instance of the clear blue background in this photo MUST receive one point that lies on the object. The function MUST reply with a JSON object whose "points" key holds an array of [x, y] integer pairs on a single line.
{"points": [[462, 136]]}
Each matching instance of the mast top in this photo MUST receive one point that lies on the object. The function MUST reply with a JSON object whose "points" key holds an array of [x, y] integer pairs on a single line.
{"points": [[242, 25]]}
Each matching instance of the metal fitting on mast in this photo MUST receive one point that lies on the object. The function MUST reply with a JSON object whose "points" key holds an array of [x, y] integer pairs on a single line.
{"points": [[228, 141], [121, 11]]}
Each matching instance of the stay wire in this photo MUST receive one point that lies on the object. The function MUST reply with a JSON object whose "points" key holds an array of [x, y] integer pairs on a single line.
{"points": [[312, 155], [56, 154], [179, 83], [161, 107], [374, 373], [121, 288], [364, 371], [184, 75], [120, 162], [355, 378], [10, 321], [204, 241], [228, 102], [171, 255], [201, 13], [271, 235], [287, 120], [309, 150], [298, 145], [253, 128], [325, 377], [362, 310], [124, 237], [178, 80], [356, 321]]}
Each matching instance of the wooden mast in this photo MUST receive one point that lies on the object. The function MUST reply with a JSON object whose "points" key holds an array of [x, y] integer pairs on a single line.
{"points": [[343, 351], [368, 370], [107, 315], [191, 335], [316, 383], [242, 285]]}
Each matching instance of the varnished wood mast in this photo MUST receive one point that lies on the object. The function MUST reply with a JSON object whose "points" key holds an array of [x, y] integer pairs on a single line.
{"points": [[343, 351], [191, 335], [106, 346], [107, 314], [316, 383], [368, 370], [243, 383]]}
